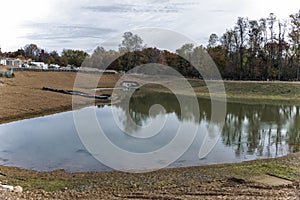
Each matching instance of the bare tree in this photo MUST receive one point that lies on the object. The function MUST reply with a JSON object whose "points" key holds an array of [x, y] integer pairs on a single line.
{"points": [[281, 46], [295, 39], [241, 28], [271, 44], [255, 40]]}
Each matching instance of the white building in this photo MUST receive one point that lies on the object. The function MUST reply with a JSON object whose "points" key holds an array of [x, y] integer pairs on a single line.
{"points": [[11, 62], [54, 66], [2, 61], [40, 65]]}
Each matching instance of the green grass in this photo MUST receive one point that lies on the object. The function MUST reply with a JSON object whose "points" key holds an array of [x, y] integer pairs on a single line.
{"points": [[250, 92], [272, 89], [264, 167], [283, 89], [48, 185]]}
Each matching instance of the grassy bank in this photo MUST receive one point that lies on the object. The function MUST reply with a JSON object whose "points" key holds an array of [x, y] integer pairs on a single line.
{"points": [[257, 92], [248, 92]]}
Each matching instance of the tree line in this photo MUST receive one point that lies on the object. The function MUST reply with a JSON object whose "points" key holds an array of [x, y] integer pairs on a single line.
{"points": [[132, 53], [35, 53], [264, 49]]}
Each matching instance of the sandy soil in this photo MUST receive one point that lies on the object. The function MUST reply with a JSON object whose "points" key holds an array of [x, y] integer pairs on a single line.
{"points": [[22, 97]]}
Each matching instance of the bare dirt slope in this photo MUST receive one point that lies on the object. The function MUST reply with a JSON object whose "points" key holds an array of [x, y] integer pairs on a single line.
{"points": [[23, 97]]}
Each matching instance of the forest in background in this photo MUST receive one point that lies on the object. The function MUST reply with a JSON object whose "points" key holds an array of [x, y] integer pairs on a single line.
{"points": [[264, 49]]}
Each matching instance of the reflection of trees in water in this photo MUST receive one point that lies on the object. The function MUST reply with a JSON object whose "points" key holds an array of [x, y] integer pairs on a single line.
{"points": [[255, 128], [251, 128], [294, 131], [139, 107]]}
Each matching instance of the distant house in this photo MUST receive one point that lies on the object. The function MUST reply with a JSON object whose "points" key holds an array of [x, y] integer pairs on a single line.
{"points": [[11, 62], [2, 61], [130, 84], [40, 65]]}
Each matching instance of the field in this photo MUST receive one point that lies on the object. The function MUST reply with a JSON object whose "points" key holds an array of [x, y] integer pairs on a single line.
{"points": [[23, 97]]}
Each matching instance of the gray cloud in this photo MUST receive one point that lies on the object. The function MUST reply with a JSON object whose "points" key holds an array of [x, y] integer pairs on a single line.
{"points": [[126, 8], [41, 31], [155, 6], [221, 11]]}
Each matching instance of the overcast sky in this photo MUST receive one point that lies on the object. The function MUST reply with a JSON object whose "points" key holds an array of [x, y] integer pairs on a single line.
{"points": [[84, 24]]}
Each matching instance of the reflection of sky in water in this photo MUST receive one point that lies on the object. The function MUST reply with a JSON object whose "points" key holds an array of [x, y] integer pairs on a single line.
{"points": [[128, 141], [51, 142], [44, 143]]}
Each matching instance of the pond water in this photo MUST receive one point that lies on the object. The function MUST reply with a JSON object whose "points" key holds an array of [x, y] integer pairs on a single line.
{"points": [[250, 132]]}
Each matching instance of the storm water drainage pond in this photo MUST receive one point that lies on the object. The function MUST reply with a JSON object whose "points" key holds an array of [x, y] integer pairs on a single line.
{"points": [[250, 132]]}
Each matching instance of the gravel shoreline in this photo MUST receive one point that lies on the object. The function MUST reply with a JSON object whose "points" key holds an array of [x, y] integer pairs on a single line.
{"points": [[225, 181]]}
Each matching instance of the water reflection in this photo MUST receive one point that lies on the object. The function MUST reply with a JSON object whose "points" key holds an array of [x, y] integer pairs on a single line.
{"points": [[256, 128], [249, 132], [261, 130]]}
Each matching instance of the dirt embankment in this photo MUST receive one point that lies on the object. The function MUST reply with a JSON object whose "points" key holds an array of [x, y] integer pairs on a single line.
{"points": [[23, 97]]}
